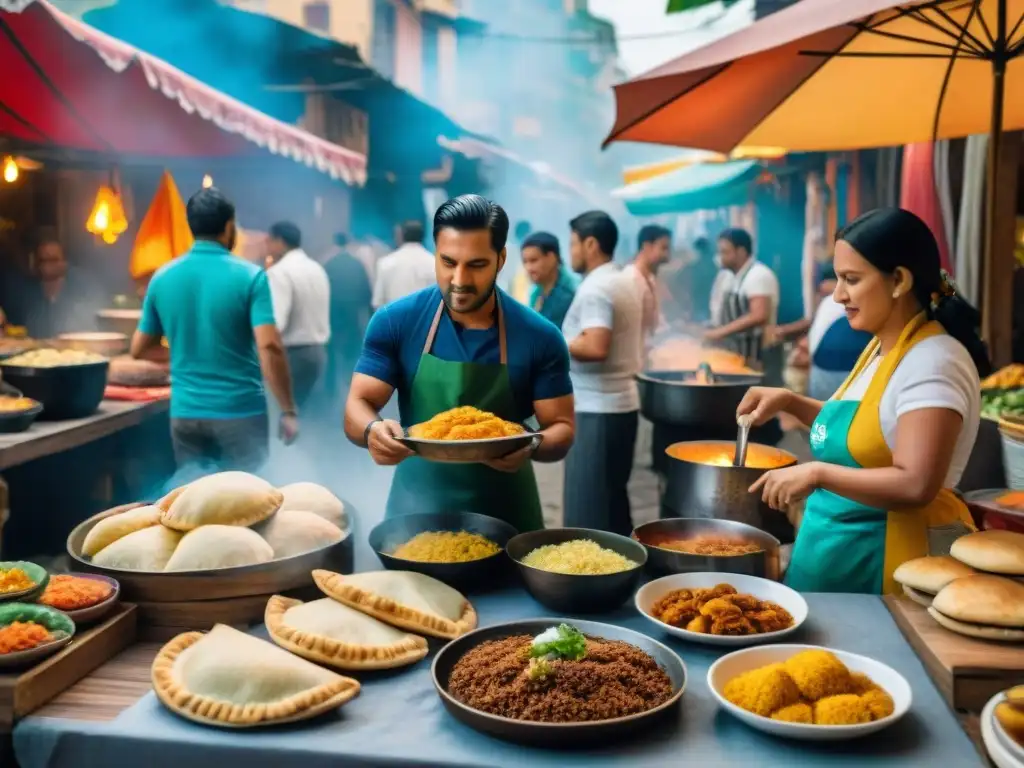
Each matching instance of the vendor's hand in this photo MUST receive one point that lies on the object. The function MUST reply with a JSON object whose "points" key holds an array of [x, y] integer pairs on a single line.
{"points": [[513, 461], [781, 487], [763, 404], [772, 335], [384, 447], [288, 428], [712, 334]]}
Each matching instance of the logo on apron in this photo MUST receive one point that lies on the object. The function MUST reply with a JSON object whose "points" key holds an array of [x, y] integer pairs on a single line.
{"points": [[819, 434]]}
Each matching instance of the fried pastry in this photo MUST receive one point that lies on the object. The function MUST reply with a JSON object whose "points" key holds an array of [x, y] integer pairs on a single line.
{"points": [[225, 498], [291, 532], [219, 546], [146, 550], [310, 497], [229, 679], [331, 633], [110, 529], [412, 601]]}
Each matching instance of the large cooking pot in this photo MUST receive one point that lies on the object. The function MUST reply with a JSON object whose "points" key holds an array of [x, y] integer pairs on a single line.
{"points": [[701, 482], [693, 398], [65, 391]]}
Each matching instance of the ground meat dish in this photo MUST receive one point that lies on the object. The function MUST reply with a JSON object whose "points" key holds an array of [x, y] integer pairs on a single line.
{"points": [[711, 546], [615, 679]]}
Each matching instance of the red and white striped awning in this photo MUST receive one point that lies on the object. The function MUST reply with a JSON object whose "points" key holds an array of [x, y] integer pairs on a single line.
{"points": [[56, 91]]}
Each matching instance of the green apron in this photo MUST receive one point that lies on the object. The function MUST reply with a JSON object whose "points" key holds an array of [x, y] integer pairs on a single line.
{"points": [[841, 544], [845, 546], [426, 486]]}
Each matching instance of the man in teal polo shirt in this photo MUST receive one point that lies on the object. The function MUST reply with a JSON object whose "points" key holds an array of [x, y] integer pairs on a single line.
{"points": [[216, 312]]}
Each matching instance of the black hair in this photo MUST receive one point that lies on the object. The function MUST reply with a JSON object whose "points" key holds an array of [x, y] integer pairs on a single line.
{"points": [[739, 238], [341, 239], [651, 233], [412, 231], [287, 233], [702, 246], [468, 212], [598, 225], [545, 242], [209, 212], [890, 238], [523, 229]]}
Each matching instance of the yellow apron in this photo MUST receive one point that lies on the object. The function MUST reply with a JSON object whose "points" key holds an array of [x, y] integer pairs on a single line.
{"points": [[845, 546]]}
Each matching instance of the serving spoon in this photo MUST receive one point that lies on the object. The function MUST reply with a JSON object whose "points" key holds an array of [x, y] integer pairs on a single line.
{"points": [[739, 458]]}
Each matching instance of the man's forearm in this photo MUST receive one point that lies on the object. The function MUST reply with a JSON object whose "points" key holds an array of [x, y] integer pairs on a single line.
{"points": [[274, 362], [558, 439], [358, 413], [738, 325]]}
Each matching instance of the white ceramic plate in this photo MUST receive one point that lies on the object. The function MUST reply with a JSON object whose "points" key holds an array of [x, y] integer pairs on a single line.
{"points": [[738, 662], [1004, 751], [763, 589]]}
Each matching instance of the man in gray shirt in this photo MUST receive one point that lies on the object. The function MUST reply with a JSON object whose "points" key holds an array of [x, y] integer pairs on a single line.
{"points": [[604, 330]]}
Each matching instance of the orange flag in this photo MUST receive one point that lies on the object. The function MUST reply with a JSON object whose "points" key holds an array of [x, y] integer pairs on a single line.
{"points": [[163, 233]]}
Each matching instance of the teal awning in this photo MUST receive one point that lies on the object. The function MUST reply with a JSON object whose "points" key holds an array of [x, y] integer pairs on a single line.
{"points": [[698, 187]]}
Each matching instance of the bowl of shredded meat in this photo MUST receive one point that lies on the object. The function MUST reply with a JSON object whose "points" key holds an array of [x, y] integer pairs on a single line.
{"points": [[731, 611], [552, 682], [467, 435], [702, 545]]}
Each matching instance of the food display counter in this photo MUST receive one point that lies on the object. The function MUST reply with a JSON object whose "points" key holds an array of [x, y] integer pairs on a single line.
{"points": [[398, 719]]}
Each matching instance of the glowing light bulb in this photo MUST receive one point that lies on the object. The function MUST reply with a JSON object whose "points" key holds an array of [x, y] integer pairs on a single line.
{"points": [[109, 237], [101, 219], [10, 170], [207, 181]]}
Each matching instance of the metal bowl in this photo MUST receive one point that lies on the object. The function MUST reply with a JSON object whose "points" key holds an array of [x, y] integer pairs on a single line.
{"points": [[65, 391], [584, 734], [108, 344], [18, 421], [572, 593], [479, 574], [662, 561], [469, 451], [274, 577], [672, 397]]}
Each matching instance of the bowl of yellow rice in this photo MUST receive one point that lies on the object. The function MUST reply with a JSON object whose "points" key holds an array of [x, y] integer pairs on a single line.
{"points": [[463, 549], [578, 570]]}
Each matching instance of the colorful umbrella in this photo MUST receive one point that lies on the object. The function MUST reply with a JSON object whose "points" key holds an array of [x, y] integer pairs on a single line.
{"points": [[844, 74], [692, 188]]}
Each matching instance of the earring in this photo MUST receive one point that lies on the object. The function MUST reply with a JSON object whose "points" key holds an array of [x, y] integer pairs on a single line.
{"points": [[895, 294]]}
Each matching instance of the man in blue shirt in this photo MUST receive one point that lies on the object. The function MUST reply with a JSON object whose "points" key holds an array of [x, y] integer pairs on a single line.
{"points": [[463, 342], [554, 289], [216, 312]]}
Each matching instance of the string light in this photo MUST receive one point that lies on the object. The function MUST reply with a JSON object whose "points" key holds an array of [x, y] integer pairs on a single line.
{"points": [[10, 170], [207, 181], [107, 219]]}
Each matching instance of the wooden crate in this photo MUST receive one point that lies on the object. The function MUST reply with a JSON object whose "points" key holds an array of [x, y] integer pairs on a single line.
{"points": [[24, 691]]}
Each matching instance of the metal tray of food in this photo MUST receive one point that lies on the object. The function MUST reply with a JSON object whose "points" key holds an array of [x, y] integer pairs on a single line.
{"points": [[469, 451], [274, 577]]}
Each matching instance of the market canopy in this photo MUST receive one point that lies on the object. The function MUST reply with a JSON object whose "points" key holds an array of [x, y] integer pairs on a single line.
{"points": [[698, 187], [68, 85], [836, 74]]}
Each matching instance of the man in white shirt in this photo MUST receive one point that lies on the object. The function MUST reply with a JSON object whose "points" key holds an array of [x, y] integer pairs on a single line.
{"points": [[301, 294], [654, 248], [407, 270], [747, 303], [604, 329]]}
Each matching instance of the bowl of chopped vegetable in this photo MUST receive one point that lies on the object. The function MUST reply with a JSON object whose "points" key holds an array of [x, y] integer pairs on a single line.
{"points": [[29, 633], [462, 549], [578, 570], [84, 597], [22, 581]]}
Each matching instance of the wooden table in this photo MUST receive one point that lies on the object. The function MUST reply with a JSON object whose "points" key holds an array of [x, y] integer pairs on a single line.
{"points": [[48, 437]]}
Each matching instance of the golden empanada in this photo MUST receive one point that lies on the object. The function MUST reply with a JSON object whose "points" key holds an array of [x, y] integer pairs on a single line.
{"points": [[290, 532], [226, 498], [230, 679], [146, 550], [310, 497], [219, 546], [403, 599], [110, 529], [329, 632]]}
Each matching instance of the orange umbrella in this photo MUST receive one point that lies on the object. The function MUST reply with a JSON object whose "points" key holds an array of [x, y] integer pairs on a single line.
{"points": [[163, 233], [844, 74]]}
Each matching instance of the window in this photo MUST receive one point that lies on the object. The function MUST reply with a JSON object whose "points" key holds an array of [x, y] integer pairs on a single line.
{"points": [[316, 16], [383, 50]]}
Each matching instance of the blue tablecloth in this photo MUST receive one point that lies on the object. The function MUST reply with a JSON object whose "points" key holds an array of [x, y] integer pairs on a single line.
{"points": [[398, 719]]}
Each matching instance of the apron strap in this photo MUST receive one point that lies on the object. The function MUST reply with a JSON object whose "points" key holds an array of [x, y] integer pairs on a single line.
{"points": [[502, 344]]}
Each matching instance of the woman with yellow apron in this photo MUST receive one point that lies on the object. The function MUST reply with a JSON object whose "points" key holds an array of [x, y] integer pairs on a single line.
{"points": [[891, 444]]}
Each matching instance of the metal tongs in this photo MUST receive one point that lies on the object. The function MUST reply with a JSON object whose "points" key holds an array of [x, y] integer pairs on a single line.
{"points": [[739, 459]]}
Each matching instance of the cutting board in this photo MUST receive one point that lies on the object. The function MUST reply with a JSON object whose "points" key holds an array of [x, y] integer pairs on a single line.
{"points": [[968, 672]]}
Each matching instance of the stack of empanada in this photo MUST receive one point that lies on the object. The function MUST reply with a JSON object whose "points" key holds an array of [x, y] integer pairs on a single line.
{"points": [[224, 520], [369, 620]]}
